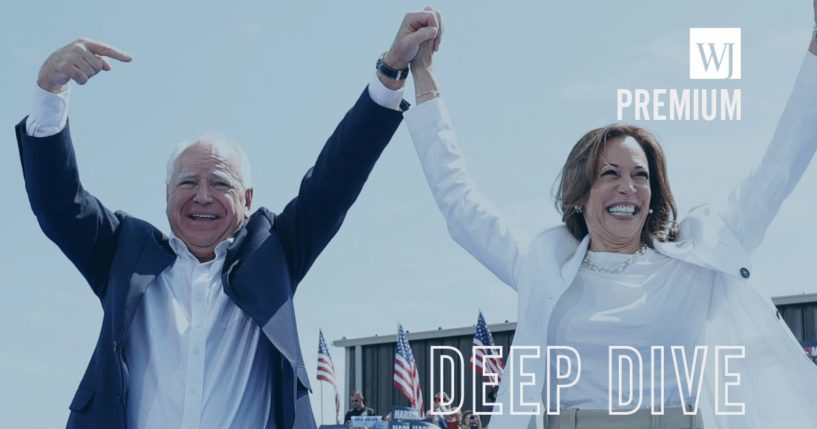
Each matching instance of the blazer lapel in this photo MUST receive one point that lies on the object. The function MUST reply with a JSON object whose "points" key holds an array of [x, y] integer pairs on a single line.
{"points": [[245, 269], [247, 240], [155, 256]]}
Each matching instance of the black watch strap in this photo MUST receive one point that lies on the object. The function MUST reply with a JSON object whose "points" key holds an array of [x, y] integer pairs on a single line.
{"points": [[391, 73]]}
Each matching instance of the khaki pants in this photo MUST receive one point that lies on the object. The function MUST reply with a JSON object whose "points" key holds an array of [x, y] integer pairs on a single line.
{"points": [[573, 418]]}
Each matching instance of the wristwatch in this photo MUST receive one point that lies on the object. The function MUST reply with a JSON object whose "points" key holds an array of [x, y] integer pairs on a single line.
{"points": [[389, 72]]}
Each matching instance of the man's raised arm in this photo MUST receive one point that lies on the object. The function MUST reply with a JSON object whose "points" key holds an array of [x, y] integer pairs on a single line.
{"points": [[79, 61], [330, 187], [70, 216]]}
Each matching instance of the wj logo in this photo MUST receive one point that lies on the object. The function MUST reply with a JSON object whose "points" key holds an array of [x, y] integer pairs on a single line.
{"points": [[714, 53]]}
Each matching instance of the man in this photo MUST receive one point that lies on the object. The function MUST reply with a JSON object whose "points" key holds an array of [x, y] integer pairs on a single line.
{"points": [[359, 408], [199, 327]]}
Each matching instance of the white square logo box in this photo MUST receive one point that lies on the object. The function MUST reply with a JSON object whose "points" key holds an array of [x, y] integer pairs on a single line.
{"points": [[714, 53]]}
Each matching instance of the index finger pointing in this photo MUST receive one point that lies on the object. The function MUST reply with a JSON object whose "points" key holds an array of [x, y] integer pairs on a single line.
{"points": [[99, 48]]}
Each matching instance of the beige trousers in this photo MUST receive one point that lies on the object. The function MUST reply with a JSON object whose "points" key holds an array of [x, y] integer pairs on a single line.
{"points": [[573, 418]]}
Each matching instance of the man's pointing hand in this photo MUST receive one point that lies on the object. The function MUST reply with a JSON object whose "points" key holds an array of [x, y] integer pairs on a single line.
{"points": [[79, 60]]}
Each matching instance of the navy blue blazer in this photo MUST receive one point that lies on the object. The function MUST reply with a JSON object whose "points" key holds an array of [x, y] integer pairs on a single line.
{"points": [[120, 256]]}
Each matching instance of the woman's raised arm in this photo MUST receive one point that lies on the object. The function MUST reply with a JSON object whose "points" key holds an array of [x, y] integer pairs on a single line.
{"points": [[473, 221]]}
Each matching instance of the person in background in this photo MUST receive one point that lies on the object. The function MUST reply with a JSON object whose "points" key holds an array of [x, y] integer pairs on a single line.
{"points": [[445, 419], [470, 421], [452, 421], [359, 407]]}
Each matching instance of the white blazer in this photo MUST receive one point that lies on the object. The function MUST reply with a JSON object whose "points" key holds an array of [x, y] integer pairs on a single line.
{"points": [[778, 381]]}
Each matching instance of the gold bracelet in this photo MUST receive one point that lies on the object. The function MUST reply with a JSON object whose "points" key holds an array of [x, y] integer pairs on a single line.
{"points": [[432, 92]]}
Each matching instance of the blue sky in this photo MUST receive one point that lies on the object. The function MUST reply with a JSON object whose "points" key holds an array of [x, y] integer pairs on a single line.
{"points": [[523, 80]]}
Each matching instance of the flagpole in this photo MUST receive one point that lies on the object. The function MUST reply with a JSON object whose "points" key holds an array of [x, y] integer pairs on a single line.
{"points": [[337, 406], [321, 404]]}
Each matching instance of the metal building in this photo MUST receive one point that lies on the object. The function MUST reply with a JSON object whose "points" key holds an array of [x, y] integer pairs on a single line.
{"points": [[800, 313], [370, 363]]}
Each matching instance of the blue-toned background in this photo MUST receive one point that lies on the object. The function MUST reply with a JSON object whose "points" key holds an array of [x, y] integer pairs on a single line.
{"points": [[523, 81]]}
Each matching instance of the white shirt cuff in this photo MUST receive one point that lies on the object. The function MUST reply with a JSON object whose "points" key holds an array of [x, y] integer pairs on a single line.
{"points": [[383, 96], [49, 112]]}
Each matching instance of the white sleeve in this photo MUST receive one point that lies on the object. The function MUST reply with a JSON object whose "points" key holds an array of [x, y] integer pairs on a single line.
{"points": [[383, 96], [754, 203], [473, 221], [49, 113]]}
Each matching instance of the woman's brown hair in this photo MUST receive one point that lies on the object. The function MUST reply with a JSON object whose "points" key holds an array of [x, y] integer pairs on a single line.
{"points": [[581, 170]]}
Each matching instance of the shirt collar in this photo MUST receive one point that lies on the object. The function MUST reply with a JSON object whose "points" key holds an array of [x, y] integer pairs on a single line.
{"points": [[181, 249]]}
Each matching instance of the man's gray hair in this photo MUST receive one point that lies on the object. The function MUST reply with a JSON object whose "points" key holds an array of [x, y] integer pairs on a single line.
{"points": [[224, 146]]}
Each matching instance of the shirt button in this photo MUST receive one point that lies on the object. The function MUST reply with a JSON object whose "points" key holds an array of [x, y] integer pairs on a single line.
{"points": [[744, 273], [196, 351]]}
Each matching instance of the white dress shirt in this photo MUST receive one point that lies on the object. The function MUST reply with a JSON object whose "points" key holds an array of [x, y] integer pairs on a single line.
{"points": [[195, 360]]}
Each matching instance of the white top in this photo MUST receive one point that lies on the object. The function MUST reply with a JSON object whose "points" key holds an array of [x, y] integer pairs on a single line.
{"points": [[195, 360], [655, 301]]}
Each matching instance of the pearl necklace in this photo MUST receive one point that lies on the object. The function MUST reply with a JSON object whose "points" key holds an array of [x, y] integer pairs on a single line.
{"points": [[589, 264]]}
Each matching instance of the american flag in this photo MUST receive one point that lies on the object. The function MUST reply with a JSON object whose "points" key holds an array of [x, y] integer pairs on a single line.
{"points": [[326, 371], [482, 338], [405, 372]]}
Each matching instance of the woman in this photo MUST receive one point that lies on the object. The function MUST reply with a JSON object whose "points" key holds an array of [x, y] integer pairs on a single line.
{"points": [[447, 419], [621, 271], [470, 421]]}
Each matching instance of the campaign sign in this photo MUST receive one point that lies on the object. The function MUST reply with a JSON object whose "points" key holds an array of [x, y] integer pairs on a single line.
{"points": [[408, 418], [409, 424], [365, 421]]}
